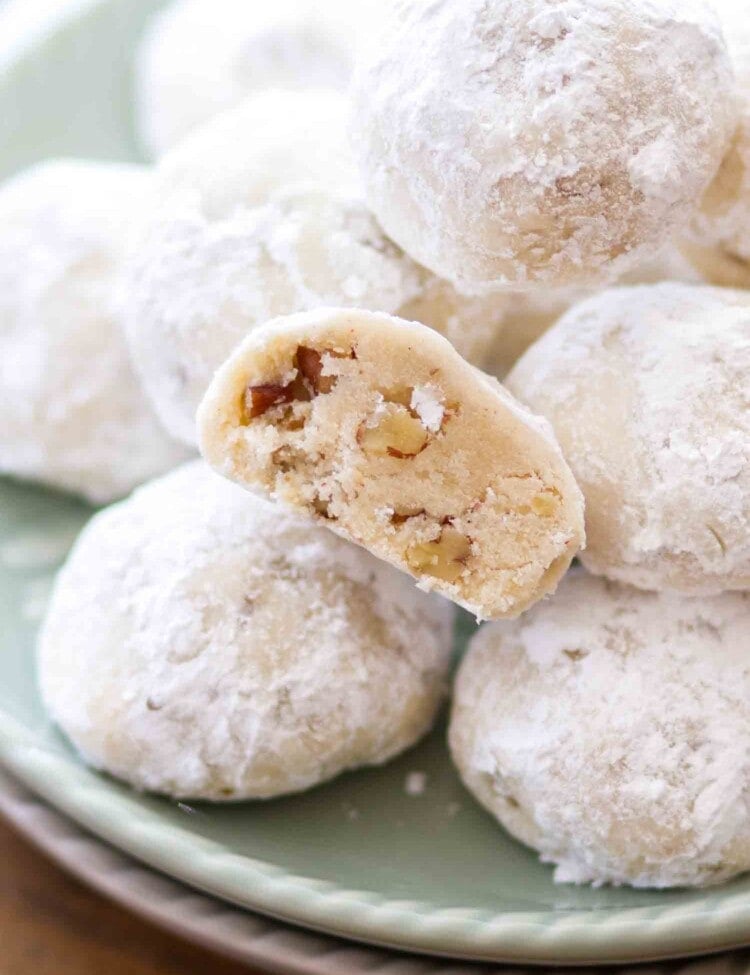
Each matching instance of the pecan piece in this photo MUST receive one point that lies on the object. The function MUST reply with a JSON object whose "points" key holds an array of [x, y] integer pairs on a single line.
{"points": [[444, 558], [396, 434], [257, 400]]}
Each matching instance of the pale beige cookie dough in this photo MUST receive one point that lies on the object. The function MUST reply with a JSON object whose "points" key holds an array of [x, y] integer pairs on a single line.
{"points": [[719, 245], [378, 429], [610, 730], [204, 644], [552, 141], [249, 228], [647, 390]]}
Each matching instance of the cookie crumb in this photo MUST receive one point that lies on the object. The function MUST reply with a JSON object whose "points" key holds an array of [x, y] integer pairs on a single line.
{"points": [[415, 783]]}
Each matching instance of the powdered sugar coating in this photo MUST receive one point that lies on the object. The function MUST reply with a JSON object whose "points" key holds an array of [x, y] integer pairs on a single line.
{"points": [[73, 415], [205, 644], [610, 730], [647, 389], [720, 244], [249, 229], [554, 141], [200, 57]]}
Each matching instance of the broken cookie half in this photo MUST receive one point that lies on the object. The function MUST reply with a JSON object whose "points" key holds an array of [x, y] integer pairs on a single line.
{"points": [[377, 428]]}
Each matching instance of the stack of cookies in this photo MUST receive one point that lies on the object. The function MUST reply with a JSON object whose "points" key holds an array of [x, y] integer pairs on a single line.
{"points": [[322, 290]]}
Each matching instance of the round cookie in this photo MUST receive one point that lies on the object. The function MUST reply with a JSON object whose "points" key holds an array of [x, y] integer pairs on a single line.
{"points": [[720, 243], [73, 416], [378, 429], [249, 229], [647, 391], [200, 57], [608, 729], [203, 644], [551, 141]]}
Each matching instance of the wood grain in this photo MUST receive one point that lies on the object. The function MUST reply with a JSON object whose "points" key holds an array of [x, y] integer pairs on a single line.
{"points": [[49, 922]]}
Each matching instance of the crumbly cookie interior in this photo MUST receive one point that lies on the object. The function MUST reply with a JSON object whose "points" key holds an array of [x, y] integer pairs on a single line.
{"points": [[416, 456]]}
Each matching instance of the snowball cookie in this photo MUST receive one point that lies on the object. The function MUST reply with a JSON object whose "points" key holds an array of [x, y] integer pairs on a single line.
{"points": [[378, 429], [204, 644], [609, 730], [720, 243], [199, 57], [249, 229], [504, 143], [73, 416], [647, 389]]}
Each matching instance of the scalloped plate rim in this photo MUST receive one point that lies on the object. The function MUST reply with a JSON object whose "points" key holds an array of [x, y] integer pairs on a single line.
{"points": [[602, 936], [236, 933]]}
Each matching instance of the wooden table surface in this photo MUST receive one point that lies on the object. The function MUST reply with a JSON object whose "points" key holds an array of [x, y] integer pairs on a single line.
{"points": [[49, 922]]}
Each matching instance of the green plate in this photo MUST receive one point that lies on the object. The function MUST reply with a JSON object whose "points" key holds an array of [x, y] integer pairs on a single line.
{"points": [[359, 857]]}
